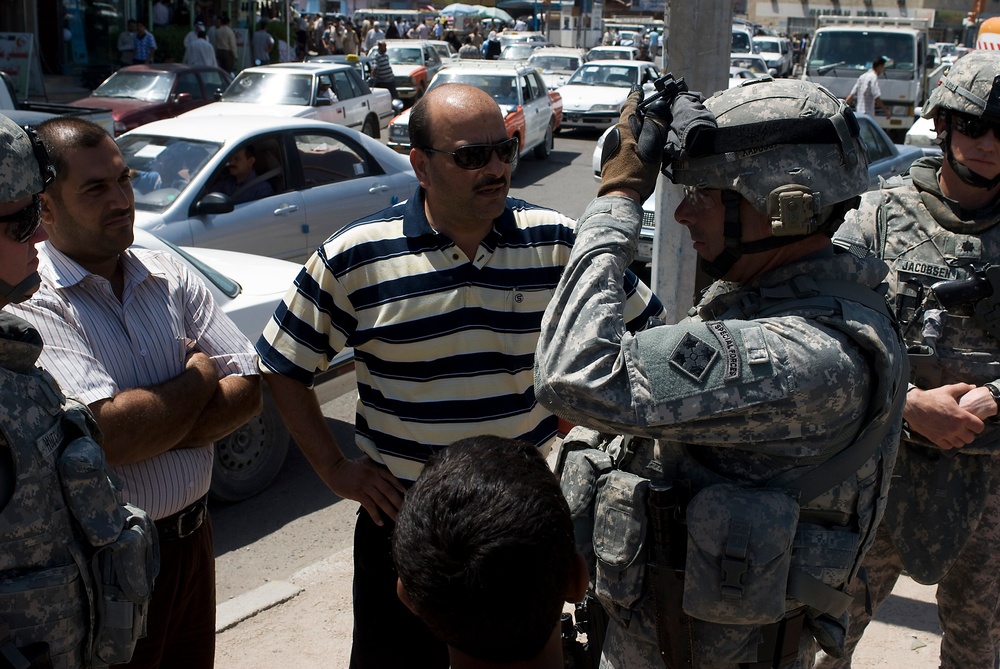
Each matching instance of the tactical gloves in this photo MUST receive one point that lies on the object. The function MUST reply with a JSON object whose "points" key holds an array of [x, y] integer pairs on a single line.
{"points": [[632, 150]]}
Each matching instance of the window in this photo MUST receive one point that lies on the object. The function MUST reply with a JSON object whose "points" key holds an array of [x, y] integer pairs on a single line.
{"points": [[875, 147], [188, 83], [343, 84], [326, 159], [213, 82]]}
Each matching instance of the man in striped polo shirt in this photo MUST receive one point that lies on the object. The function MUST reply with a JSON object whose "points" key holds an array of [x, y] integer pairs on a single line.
{"points": [[137, 337], [442, 299]]}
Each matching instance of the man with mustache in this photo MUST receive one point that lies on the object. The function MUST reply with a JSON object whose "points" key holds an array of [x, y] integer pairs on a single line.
{"points": [[442, 299], [137, 337]]}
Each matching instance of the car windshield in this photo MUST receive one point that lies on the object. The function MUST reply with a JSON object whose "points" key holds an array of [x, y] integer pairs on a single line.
{"points": [[162, 167], [741, 42], [555, 63], [499, 86], [755, 65], [769, 47], [275, 88], [149, 86], [516, 52], [405, 56], [852, 50], [604, 75], [609, 54]]}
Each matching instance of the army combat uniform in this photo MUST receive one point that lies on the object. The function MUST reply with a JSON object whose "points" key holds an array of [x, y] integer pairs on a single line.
{"points": [[942, 521], [764, 382]]}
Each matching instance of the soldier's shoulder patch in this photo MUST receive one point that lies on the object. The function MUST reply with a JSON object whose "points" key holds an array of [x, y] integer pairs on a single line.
{"points": [[693, 356]]}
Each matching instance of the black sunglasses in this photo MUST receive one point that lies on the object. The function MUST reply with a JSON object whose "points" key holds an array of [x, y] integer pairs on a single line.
{"points": [[974, 127], [477, 156], [22, 224]]}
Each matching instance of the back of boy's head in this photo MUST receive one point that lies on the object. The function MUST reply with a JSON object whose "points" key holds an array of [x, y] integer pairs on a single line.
{"points": [[484, 548]]}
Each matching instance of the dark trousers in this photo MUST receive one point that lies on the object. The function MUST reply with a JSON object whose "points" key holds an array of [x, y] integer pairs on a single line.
{"points": [[180, 629], [391, 87], [386, 633]]}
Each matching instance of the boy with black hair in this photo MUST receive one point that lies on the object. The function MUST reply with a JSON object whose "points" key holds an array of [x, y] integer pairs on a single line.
{"points": [[485, 554]]}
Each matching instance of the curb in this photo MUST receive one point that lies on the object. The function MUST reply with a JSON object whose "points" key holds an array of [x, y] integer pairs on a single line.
{"points": [[231, 613]]}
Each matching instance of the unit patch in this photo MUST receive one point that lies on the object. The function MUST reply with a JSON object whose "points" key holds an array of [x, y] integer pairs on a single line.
{"points": [[729, 350], [693, 356]]}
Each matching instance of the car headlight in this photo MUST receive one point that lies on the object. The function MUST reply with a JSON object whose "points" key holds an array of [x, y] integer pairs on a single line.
{"points": [[605, 108], [397, 130]]}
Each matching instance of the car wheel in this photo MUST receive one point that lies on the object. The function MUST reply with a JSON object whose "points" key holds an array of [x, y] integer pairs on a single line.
{"points": [[370, 127], [543, 150], [247, 460], [514, 163]]}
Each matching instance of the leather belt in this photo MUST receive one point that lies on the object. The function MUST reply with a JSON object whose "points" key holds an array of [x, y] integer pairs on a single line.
{"points": [[183, 523]]}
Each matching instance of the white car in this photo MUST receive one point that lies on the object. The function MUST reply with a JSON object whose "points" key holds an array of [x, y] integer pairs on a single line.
{"points": [[414, 64], [248, 288], [613, 53], [737, 75], [777, 53], [312, 178], [749, 61], [557, 64], [594, 95], [324, 91], [921, 133]]}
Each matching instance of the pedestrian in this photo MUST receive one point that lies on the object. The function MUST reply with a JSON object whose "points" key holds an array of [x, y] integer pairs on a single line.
{"points": [[469, 49], [373, 36], [866, 93], [382, 76], [192, 34], [263, 44], [145, 45], [938, 225], [491, 47], [776, 407], [441, 298], [138, 338], [126, 43], [200, 52], [495, 499], [225, 44]]}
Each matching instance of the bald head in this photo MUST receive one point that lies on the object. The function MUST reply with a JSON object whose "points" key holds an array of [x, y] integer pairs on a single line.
{"points": [[447, 104]]}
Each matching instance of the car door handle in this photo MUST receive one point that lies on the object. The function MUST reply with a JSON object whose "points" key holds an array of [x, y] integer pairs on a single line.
{"points": [[290, 209], [378, 188]]}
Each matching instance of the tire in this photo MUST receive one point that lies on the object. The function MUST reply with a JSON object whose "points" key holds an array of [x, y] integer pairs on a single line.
{"points": [[543, 150], [370, 127], [515, 163], [247, 460]]}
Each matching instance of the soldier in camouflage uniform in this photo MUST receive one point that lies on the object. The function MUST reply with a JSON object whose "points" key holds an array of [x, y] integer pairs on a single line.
{"points": [[789, 368], [942, 521], [39, 549]]}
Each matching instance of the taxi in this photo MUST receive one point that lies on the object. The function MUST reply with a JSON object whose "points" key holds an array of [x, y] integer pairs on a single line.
{"points": [[414, 64]]}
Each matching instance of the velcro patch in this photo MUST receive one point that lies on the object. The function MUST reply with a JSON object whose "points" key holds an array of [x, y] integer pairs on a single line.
{"points": [[48, 443], [693, 356]]}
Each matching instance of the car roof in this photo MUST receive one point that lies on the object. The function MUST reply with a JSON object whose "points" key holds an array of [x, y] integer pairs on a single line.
{"points": [[558, 51], [505, 66], [308, 67], [619, 63], [167, 67], [227, 128]]}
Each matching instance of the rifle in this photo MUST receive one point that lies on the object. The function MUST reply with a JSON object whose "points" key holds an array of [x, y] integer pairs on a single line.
{"points": [[592, 620], [979, 290]]}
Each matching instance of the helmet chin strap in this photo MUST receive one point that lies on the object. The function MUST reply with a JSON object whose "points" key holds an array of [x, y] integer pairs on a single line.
{"points": [[22, 291], [963, 172], [732, 232]]}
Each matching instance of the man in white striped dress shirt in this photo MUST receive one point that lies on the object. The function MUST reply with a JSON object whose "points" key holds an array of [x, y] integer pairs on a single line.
{"points": [[136, 336]]}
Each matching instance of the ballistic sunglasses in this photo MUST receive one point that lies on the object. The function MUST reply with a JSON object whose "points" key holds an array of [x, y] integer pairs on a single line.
{"points": [[22, 224], [477, 156], [974, 127]]}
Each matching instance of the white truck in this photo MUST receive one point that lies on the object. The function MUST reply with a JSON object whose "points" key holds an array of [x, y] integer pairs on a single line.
{"points": [[843, 48]]}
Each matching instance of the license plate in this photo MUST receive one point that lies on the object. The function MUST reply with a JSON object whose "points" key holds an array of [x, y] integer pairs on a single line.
{"points": [[572, 117]]}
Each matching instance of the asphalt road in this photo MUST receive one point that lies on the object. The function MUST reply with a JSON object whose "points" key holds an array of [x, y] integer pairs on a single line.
{"points": [[298, 521]]}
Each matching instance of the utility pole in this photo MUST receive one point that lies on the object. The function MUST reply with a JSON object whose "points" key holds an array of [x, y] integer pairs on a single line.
{"points": [[698, 41]]}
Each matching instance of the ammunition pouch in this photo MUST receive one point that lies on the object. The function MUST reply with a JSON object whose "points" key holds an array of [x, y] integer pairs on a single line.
{"points": [[739, 554], [620, 542]]}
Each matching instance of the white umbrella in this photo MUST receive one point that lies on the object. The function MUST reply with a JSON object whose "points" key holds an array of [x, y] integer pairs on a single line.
{"points": [[459, 8], [494, 13]]}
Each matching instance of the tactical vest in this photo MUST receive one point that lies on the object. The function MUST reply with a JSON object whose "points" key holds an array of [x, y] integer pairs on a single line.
{"points": [[76, 566], [937, 498]]}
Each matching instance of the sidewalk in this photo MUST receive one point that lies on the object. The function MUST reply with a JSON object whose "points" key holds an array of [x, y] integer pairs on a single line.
{"points": [[306, 622]]}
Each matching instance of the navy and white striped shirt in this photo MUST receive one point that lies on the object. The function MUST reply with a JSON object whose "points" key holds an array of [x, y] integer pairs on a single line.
{"points": [[444, 347], [97, 346]]}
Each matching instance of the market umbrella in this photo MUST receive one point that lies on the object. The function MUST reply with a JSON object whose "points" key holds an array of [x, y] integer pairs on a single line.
{"points": [[459, 8], [518, 6], [494, 13]]}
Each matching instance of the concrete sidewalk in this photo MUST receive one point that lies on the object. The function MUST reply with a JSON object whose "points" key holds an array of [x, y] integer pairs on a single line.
{"points": [[306, 622]]}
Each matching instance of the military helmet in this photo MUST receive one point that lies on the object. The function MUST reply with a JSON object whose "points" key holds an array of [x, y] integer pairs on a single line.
{"points": [[24, 165], [972, 86], [788, 146]]}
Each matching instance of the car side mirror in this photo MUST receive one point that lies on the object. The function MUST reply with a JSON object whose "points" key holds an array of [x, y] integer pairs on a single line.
{"points": [[218, 94], [213, 203], [323, 102], [397, 106], [182, 97]]}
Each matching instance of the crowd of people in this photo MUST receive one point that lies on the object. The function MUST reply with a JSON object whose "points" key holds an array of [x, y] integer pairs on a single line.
{"points": [[823, 420]]}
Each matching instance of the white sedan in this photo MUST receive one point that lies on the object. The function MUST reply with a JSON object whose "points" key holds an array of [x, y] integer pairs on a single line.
{"points": [[248, 288], [594, 95], [323, 91], [310, 178]]}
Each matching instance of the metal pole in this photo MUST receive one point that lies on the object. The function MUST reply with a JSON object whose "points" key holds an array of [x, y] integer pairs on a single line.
{"points": [[702, 58]]}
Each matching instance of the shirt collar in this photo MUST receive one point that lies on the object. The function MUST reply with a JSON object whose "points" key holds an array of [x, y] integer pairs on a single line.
{"points": [[415, 223], [61, 271]]}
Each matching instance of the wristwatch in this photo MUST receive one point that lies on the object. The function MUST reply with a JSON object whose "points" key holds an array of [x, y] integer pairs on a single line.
{"points": [[995, 392]]}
